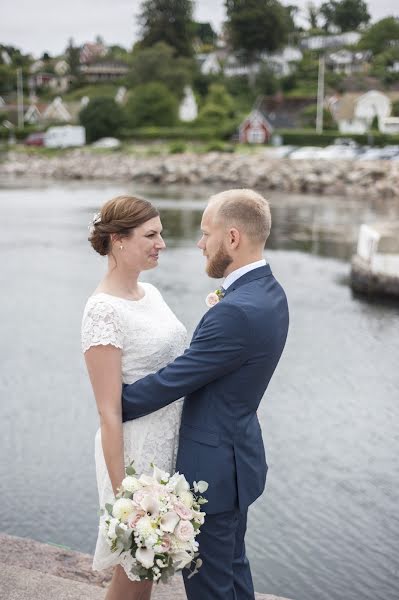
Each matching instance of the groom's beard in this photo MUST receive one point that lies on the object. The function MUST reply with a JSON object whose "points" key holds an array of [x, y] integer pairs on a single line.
{"points": [[218, 264]]}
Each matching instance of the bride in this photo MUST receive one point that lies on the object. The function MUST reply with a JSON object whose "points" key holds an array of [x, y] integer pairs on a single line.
{"points": [[128, 331]]}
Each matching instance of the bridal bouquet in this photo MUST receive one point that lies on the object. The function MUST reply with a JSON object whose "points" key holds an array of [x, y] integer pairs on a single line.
{"points": [[153, 523]]}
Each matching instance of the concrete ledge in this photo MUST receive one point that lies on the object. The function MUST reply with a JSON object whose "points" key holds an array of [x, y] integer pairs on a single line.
{"points": [[31, 570]]}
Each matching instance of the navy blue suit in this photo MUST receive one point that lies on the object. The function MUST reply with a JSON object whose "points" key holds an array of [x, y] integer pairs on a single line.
{"points": [[223, 376]]}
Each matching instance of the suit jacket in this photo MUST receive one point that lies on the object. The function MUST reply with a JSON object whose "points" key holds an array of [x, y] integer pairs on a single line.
{"points": [[223, 376]]}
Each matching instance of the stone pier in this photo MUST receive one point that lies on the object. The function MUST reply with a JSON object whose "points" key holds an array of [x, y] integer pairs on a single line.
{"points": [[34, 571]]}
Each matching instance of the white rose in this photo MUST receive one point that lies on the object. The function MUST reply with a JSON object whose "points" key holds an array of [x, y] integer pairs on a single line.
{"points": [[131, 484], [187, 499], [122, 509], [184, 531]]}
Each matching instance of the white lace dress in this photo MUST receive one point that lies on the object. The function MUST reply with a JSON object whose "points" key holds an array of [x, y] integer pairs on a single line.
{"points": [[150, 336]]}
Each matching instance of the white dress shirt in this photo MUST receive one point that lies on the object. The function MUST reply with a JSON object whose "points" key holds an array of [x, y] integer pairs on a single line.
{"points": [[234, 275]]}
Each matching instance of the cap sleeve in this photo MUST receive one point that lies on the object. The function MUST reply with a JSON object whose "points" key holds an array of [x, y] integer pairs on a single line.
{"points": [[102, 325]]}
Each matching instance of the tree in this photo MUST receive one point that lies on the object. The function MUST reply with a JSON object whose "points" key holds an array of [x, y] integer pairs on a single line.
{"points": [[102, 117], [309, 114], [266, 82], [254, 26], [152, 104], [160, 64], [205, 33], [395, 109], [72, 54], [218, 108], [312, 15], [168, 21], [381, 35], [346, 15]]}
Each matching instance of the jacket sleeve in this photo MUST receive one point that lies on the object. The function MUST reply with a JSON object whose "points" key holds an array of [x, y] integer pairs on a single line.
{"points": [[219, 347]]}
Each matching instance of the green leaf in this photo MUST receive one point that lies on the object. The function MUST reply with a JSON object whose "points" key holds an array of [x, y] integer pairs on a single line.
{"points": [[108, 508]]}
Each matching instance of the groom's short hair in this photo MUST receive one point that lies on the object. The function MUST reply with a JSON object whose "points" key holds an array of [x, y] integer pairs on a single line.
{"points": [[244, 209]]}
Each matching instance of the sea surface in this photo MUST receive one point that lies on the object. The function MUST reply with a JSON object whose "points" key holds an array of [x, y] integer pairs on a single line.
{"points": [[327, 526]]}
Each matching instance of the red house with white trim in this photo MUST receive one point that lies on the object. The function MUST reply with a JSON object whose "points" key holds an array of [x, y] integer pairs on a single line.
{"points": [[255, 129]]}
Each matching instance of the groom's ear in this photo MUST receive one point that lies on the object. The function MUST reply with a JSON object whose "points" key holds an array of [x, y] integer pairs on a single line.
{"points": [[234, 238]]}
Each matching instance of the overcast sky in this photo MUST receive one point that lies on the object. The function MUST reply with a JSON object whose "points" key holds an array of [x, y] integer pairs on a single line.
{"points": [[45, 25]]}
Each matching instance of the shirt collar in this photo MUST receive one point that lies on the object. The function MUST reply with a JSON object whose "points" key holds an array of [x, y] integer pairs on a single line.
{"points": [[234, 275]]}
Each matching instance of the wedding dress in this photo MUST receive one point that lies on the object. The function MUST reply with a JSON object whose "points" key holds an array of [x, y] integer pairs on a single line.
{"points": [[150, 336]]}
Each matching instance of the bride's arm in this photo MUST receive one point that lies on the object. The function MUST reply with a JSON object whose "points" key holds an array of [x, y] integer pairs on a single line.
{"points": [[219, 347], [104, 367]]}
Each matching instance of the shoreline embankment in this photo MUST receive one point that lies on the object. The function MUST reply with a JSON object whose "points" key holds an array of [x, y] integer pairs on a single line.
{"points": [[259, 170], [35, 571]]}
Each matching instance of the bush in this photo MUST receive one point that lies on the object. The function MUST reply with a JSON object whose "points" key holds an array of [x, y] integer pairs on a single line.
{"points": [[102, 117], [217, 146], [180, 133], [309, 116], [151, 104], [309, 137], [177, 148]]}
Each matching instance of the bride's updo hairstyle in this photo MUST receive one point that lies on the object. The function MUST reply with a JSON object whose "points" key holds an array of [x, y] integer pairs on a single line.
{"points": [[121, 216]]}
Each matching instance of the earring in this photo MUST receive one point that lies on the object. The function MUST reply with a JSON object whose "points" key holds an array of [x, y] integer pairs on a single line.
{"points": [[121, 247]]}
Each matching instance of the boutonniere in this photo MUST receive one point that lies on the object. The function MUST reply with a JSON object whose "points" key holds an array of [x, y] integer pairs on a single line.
{"points": [[214, 297]]}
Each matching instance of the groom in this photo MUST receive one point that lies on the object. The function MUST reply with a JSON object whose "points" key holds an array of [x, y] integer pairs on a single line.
{"points": [[223, 376]]}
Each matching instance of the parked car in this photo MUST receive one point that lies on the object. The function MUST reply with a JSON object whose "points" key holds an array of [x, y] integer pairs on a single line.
{"points": [[338, 152], [107, 142], [35, 139], [65, 136]]}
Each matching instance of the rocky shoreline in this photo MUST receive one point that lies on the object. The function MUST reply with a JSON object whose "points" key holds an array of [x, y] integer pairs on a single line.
{"points": [[260, 170], [35, 571]]}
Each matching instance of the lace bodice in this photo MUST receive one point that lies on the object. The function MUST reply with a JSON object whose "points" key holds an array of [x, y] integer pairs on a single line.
{"points": [[146, 330], [150, 336]]}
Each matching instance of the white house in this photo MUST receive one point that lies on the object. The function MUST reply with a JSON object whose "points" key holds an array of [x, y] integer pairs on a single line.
{"points": [[283, 63], [389, 125], [255, 129], [321, 42], [33, 115], [188, 110], [209, 63], [346, 62], [57, 111], [354, 113]]}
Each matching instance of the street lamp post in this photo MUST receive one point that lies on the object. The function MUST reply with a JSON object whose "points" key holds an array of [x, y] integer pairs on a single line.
{"points": [[20, 98], [320, 94]]}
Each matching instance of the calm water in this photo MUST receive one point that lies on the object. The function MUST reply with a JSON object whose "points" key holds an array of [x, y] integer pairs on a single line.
{"points": [[328, 525]]}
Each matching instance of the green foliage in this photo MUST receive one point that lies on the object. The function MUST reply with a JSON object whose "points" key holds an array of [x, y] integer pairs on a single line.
{"points": [[180, 133], [309, 114], [160, 64], [8, 78], [151, 104], [218, 107], [395, 109], [257, 25], [217, 146], [346, 15], [168, 21], [308, 137], [177, 148], [17, 58], [72, 55], [381, 36], [102, 117], [204, 32], [266, 82], [93, 90], [381, 65], [312, 15]]}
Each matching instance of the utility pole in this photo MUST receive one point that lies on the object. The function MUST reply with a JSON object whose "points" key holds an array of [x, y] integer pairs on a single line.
{"points": [[320, 94], [20, 98]]}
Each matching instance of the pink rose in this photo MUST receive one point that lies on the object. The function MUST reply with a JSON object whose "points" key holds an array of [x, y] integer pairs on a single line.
{"points": [[166, 543], [211, 299], [182, 510], [139, 496], [184, 531], [135, 518]]}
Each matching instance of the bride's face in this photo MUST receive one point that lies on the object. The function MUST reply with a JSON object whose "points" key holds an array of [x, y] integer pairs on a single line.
{"points": [[141, 249]]}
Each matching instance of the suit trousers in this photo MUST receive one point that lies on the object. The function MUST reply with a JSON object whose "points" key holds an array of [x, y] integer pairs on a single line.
{"points": [[225, 573]]}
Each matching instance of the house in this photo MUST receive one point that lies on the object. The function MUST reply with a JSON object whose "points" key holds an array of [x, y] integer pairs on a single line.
{"points": [[235, 66], [255, 129], [61, 67], [188, 110], [209, 63], [389, 125], [50, 81], [345, 62], [109, 70], [120, 96], [92, 51], [57, 111], [284, 62], [323, 42], [33, 115], [355, 113]]}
